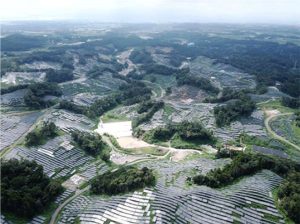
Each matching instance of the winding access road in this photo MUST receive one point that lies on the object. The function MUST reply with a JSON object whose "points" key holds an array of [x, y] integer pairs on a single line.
{"points": [[269, 129]]}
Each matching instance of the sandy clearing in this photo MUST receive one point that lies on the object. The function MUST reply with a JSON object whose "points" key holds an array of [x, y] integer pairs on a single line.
{"points": [[116, 129], [272, 112], [131, 142], [122, 131], [187, 101], [15, 77], [121, 158], [73, 182], [179, 155]]}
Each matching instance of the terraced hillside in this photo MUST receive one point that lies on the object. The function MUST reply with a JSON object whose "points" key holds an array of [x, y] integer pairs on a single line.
{"points": [[150, 96]]}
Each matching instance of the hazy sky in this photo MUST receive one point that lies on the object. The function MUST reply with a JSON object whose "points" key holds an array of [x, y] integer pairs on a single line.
{"points": [[138, 11]]}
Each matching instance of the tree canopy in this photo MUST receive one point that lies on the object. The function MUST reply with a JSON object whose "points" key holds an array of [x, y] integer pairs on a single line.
{"points": [[25, 189], [123, 180], [39, 136], [92, 144], [233, 110]]}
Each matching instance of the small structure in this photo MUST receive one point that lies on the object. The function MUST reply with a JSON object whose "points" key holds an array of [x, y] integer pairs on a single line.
{"points": [[66, 145]]}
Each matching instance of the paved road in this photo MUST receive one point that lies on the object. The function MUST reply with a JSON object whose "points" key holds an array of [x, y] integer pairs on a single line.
{"points": [[61, 206], [267, 124]]}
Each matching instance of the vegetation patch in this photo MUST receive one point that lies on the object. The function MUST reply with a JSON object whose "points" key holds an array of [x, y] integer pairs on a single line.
{"points": [[36, 92], [148, 109], [184, 79], [92, 144], [289, 195], [25, 189], [11, 89], [123, 180], [41, 134], [233, 110], [182, 135], [242, 165], [113, 117], [59, 76]]}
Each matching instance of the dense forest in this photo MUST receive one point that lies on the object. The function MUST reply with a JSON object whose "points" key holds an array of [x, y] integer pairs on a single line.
{"points": [[141, 57], [226, 95], [158, 69], [289, 195], [41, 134], [35, 93], [125, 179], [225, 114], [291, 102], [189, 131], [25, 190], [92, 144], [11, 89], [58, 76], [20, 42], [200, 82], [245, 164]]}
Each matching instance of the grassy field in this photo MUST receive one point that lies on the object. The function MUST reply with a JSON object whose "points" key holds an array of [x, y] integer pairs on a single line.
{"points": [[178, 142], [168, 109], [146, 150], [276, 105], [112, 117]]}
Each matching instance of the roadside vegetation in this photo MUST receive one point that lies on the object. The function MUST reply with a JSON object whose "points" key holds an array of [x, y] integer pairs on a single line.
{"points": [[297, 119]]}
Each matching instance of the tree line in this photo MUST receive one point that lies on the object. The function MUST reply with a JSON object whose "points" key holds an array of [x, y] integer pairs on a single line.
{"points": [[228, 94]]}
